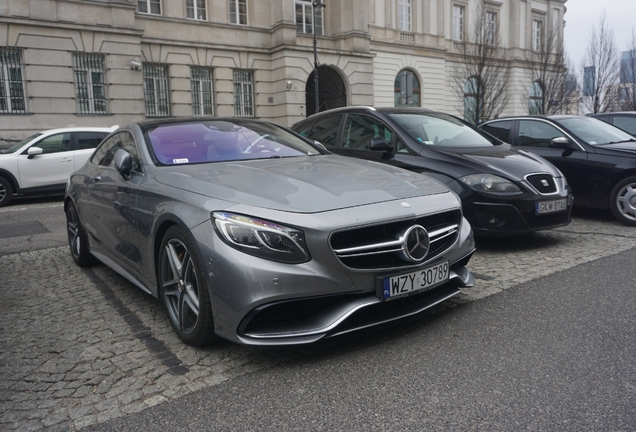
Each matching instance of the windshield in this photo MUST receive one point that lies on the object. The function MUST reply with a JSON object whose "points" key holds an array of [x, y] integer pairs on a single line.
{"points": [[224, 140], [14, 148], [593, 131], [441, 130]]}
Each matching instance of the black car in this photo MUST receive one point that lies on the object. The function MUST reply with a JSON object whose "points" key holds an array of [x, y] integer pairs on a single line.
{"points": [[625, 120], [504, 191], [598, 159]]}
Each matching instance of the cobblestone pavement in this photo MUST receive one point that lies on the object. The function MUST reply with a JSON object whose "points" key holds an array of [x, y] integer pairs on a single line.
{"points": [[82, 346]]}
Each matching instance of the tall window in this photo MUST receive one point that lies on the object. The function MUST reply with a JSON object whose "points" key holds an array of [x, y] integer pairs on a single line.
{"points": [[491, 27], [404, 15], [537, 34], [238, 12], [535, 101], [202, 92], [407, 89], [472, 99], [156, 89], [11, 85], [243, 93], [196, 9], [305, 18], [90, 93], [458, 22], [149, 6]]}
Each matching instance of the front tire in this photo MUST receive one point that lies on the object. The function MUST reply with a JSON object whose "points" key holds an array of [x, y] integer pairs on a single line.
{"points": [[6, 192], [77, 238], [183, 289], [623, 201]]}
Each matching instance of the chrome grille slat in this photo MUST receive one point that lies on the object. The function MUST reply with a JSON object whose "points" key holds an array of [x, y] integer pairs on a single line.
{"points": [[371, 248]]}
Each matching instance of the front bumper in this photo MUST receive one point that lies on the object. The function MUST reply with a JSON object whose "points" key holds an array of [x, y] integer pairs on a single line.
{"points": [[260, 302]]}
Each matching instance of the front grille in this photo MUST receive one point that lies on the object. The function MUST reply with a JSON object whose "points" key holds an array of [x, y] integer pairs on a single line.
{"points": [[376, 246], [539, 182]]}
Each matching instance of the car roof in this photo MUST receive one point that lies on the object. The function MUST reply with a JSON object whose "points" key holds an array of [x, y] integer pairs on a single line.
{"points": [[384, 110], [612, 113], [79, 129]]}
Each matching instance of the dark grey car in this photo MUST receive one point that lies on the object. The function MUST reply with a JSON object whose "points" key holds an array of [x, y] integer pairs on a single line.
{"points": [[249, 232]]}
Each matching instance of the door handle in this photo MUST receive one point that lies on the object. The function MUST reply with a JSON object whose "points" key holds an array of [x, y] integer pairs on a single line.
{"points": [[66, 160]]}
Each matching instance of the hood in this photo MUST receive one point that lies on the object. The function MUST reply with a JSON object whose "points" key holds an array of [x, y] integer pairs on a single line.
{"points": [[305, 184], [503, 160]]}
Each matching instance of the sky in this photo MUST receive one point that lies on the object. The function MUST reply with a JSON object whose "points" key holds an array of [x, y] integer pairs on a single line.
{"points": [[583, 15]]}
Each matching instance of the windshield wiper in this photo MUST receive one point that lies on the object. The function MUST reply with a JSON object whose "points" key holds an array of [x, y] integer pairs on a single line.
{"points": [[624, 141]]}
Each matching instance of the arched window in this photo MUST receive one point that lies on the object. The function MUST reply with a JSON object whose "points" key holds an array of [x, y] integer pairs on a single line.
{"points": [[407, 89], [535, 101], [472, 100]]}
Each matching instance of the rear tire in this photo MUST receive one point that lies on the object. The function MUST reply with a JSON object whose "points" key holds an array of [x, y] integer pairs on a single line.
{"points": [[6, 192], [77, 238], [183, 288], [623, 201]]}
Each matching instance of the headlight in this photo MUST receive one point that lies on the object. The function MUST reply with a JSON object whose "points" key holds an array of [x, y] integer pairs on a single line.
{"points": [[261, 238], [490, 183]]}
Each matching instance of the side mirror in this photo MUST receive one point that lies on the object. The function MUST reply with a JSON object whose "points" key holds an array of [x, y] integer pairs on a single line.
{"points": [[380, 144], [123, 163], [321, 145], [560, 142], [34, 151]]}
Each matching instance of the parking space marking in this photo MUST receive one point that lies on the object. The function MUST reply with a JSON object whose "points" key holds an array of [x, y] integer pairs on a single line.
{"points": [[30, 207], [139, 329]]}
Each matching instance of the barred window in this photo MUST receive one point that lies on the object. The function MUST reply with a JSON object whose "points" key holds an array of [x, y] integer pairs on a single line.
{"points": [[156, 89], [12, 99], [202, 91], [149, 6], [90, 94], [196, 9], [305, 18], [238, 12], [243, 93]]}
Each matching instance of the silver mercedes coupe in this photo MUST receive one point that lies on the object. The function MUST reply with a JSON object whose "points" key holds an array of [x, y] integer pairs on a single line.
{"points": [[250, 232]]}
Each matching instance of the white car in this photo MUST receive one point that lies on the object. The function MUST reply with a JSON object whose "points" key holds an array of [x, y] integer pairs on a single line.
{"points": [[43, 162]]}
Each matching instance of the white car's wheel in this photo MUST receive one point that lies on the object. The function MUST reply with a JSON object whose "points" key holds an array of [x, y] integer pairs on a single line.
{"points": [[6, 192]]}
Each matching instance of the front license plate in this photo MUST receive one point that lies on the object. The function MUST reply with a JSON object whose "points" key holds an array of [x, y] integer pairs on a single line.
{"points": [[395, 286], [542, 207]]}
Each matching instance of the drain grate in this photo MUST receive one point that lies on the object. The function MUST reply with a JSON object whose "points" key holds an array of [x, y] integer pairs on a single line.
{"points": [[22, 229]]}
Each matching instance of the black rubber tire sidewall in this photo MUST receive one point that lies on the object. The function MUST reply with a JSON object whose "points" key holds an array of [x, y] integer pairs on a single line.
{"points": [[204, 330], [84, 257], [9, 192]]}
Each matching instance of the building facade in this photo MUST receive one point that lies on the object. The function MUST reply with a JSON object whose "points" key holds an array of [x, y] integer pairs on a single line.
{"points": [[106, 62]]}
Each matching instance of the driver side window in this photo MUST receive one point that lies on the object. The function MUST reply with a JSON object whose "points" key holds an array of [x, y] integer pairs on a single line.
{"points": [[55, 143], [124, 140], [361, 129], [534, 133]]}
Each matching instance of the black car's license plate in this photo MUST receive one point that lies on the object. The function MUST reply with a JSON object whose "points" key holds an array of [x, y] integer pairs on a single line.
{"points": [[542, 207], [399, 285]]}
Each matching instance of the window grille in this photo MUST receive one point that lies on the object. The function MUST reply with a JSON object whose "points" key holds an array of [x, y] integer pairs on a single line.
{"points": [[90, 94], [196, 9], [156, 89], [243, 93], [202, 91], [407, 37], [305, 18], [12, 100], [238, 12], [149, 6]]}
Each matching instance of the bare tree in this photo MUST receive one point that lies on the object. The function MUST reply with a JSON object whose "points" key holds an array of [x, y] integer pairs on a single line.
{"points": [[480, 76], [552, 90], [627, 87], [601, 69]]}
